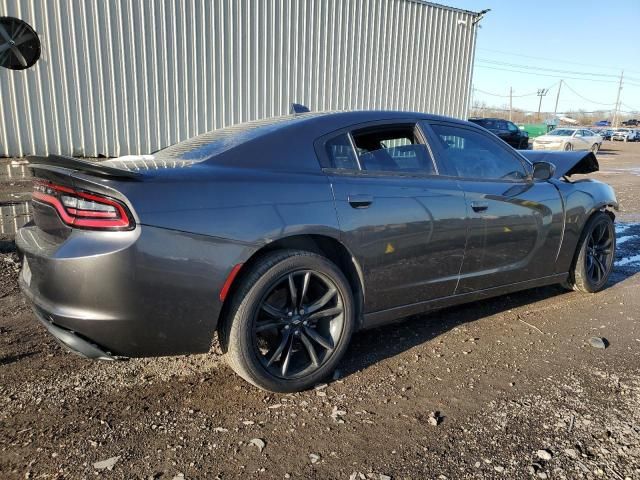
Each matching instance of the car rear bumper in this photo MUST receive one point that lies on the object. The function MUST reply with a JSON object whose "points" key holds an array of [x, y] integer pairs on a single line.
{"points": [[71, 340], [147, 292]]}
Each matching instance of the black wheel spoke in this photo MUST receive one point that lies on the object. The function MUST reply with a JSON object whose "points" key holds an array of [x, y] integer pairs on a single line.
{"points": [[287, 358], [273, 311], [312, 352], [600, 267], [305, 286], [262, 327], [5, 35], [326, 298], [330, 312], [315, 336], [281, 347], [293, 292], [590, 265], [607, 244]]}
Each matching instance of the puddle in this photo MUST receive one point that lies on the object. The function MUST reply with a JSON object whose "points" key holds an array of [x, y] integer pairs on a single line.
{"points": [[628, 245], [13, 216]]}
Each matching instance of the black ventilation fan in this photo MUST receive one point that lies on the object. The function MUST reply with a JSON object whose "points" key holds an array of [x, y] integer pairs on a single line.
{"points": [[19, 44]]}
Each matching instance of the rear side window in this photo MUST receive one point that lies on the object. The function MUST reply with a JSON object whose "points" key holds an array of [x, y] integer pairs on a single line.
{"points": [[473, 155], [341, 154], [392, 148]]}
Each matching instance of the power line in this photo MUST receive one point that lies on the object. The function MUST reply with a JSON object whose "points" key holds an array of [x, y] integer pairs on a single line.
{"points": [[556, 60], [564, 77], [531, 67], [507, 96], [585, 98]]}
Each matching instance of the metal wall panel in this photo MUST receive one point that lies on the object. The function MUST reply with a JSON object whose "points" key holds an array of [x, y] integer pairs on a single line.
{"points": [[131, 76]]}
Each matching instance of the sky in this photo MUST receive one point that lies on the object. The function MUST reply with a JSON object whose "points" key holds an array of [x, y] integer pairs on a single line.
{"points": [[534, 44]]}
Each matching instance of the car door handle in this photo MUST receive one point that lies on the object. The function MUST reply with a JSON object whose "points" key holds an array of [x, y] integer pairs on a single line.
{"points": [[360, 201], [479, 206]]}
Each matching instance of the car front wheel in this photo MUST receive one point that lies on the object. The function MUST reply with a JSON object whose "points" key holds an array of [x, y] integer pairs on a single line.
{"points": [[595, 147], [596, 250], [568, 147], [290, 321]]}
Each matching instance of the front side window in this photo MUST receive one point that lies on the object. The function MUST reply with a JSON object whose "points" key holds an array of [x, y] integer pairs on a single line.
{"points": [[473, 155], [512, 127], [392, 148]]}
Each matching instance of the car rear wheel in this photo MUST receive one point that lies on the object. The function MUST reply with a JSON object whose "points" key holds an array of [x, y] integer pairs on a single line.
{"points": [[290, 321], [568, 147], [595, 147], [594, 260]]}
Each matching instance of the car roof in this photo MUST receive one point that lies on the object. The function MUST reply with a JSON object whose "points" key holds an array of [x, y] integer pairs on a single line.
{"points": [[304, 127]]}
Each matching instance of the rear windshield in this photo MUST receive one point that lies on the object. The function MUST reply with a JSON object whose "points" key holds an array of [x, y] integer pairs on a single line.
{"points": [[210, 144]]}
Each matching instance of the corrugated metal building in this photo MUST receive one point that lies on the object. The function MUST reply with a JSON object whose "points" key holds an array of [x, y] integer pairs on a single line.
{"points": [[131, 76]]}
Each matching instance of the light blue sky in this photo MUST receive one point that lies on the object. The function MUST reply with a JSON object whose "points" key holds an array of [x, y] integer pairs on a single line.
{"points": [[600, 38]]}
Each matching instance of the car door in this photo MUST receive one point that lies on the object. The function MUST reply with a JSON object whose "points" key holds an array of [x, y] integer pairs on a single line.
{"points": [[515, 136], [403, 222], [582, 140], [515, 224]]}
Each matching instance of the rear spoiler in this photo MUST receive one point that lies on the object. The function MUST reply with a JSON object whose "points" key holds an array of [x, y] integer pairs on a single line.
{"points": [[85, 166]]}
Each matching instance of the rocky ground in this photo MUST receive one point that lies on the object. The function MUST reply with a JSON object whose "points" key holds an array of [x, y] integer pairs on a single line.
{"points": [[505, 388]]}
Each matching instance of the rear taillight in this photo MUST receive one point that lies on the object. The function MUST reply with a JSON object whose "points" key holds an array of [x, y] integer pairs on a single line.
{"points": [[83, 209]]}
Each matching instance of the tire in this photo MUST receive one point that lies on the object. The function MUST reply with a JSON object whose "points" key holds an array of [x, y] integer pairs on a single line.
{"points": [[568, 147], [594, 148], [581, 276], [260, 336]]}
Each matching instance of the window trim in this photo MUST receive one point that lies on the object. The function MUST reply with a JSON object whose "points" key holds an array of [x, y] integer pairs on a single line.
{"points": [[326, 163], [441, 155]]}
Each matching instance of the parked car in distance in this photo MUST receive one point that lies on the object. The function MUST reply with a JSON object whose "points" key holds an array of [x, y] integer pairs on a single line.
{"points": [[287, 235], [605, 133], [505, 130], [631, 123], [568, 139], [624, 135], [602, 123]]}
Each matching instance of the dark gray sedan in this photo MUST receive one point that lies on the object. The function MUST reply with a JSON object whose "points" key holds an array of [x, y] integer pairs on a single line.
{"points": [[287, 235]]}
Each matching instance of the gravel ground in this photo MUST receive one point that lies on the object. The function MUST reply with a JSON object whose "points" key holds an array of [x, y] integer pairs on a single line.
{"points": [[504, 388]]}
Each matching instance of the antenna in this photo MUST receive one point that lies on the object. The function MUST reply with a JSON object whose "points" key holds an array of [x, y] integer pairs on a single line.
{"points": [[19, 44], [298, 108]]}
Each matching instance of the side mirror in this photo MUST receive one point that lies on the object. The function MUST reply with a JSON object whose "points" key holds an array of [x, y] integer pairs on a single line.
{"points": [[543, 170]]}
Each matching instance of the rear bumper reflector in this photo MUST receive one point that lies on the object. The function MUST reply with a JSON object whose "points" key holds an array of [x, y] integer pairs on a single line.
{"points": [[229, 281]]}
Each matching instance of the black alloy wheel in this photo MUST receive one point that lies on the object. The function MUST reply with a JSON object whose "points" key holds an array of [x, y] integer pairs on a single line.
{"points": [[599, 257], [289, 322], [298, 324], [596, 252]]}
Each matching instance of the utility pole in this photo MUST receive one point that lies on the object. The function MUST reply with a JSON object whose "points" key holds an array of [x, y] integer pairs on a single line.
{"points": [[614, 121], [473, 108], [541, 93], [555, 110], [510, 104]]}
